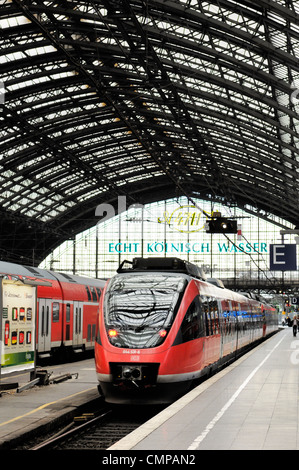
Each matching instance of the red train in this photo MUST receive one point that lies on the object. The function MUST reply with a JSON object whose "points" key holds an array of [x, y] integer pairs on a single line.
{"points": [[67, 308], [162, 326]]}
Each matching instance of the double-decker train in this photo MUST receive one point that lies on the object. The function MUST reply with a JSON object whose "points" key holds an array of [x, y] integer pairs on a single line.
{"points": [[67, 309], [162, 326]]}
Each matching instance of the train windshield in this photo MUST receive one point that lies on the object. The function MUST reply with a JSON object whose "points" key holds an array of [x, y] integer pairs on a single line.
{"points": [[140, 308]]}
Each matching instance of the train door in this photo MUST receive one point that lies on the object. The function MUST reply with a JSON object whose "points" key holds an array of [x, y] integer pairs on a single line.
{"points": [[44, 325], [78, 323]]}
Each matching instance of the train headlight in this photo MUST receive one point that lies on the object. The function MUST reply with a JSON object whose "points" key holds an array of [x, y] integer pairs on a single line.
{"points": [[136, 373], [131, 372], [112, 333], [127, 373], [162, 333]]}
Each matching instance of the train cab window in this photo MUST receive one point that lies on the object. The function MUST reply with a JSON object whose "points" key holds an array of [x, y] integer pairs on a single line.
{"points": [[68, 313], [94, 294], [140, 306], [55, 312], [88, 293]]}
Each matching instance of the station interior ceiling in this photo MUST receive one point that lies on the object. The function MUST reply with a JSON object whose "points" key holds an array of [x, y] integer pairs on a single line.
{"points": [[146, 100]]}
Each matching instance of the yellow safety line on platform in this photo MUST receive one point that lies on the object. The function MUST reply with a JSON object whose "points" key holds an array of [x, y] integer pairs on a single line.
{"points": [[43, 406]]}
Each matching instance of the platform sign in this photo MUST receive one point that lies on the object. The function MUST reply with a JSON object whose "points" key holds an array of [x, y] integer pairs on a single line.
{"points": [[283, 257], [295, 301], [17, 326]]}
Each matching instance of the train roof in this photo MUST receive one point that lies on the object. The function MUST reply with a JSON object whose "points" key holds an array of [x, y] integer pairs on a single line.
{"points": [[216, 282], [174, 265], [44, 274]]}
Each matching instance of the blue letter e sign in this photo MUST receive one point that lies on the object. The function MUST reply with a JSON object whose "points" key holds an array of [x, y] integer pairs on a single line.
{"points": [[283, 257]]}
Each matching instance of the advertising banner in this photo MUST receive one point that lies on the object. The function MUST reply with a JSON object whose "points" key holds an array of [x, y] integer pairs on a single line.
{"points": [[18, 323]]}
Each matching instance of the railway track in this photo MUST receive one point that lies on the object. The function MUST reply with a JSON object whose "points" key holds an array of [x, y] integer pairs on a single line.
{"points": [[97, 431]]}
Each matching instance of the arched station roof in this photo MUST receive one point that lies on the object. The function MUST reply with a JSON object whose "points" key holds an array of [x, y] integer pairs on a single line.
{"points": [[144, 99]]}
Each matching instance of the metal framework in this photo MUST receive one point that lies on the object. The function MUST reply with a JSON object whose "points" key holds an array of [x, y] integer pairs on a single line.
{"points": [[145, 99]]}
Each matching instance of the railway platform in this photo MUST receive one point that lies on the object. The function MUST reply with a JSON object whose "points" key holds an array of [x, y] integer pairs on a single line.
{"points": [[250, 405], [253, 404], [25, 411]]}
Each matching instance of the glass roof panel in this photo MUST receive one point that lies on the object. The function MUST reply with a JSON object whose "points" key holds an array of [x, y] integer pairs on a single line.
{"points": [[191, 96]]}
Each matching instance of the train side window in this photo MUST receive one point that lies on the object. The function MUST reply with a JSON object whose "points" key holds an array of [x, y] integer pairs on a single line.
{"points": [[55, 312], [88, 293], [91, 332], [214, 316], [225, 316], [99, 292], [210, 322], [80, 320], [47, 320], [68, 313], [76, 321], [207, 319], [43, 321], [93, 293], [193, 325]]}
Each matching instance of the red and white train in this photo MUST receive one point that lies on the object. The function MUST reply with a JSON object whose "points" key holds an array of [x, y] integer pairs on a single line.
{"points": [[162, 326], [67, 308]]}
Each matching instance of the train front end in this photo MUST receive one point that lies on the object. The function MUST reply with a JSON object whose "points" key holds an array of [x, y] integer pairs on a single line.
{"points": [[137, 327]]}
